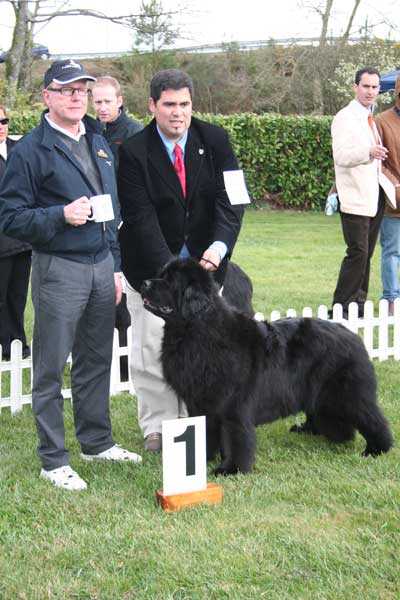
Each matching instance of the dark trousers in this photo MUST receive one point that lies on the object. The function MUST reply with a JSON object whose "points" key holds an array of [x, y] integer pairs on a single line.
{"points": [[74, 312], [14, 280], [360, 234]]}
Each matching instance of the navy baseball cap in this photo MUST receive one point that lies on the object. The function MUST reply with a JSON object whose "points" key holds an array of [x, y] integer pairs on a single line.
{"points": [[66, 71]]}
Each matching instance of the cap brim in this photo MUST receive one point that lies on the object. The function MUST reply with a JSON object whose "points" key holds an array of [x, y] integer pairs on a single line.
{"points": [[72, 79]]}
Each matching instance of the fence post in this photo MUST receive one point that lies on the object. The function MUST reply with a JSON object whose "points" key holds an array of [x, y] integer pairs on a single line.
{"points": [[322, 312], [115, 376], [353, 321], [369, 327], [396, 329], [383, 331], [16, 377], [337, 313]]}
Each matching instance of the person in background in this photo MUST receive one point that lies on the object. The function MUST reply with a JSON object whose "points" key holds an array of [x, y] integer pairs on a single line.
{"points": [[388, 124], [15, 266], [108, 105], [173, 202], [357, 154], [44, 200]]}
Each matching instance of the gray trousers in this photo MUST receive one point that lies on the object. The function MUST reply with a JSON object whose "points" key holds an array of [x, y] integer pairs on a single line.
{"points": [[74, 305]]}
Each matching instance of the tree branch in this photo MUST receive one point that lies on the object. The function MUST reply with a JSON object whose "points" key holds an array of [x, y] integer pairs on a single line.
{"points": [[346, 34], [85, 12]]}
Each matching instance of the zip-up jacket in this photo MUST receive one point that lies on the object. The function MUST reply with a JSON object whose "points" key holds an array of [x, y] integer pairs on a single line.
{"points": [[120, 130], [42, 176]]}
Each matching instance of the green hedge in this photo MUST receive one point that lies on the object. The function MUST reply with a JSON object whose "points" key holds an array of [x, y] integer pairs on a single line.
{"points": [[287, 160], [23, 122]]}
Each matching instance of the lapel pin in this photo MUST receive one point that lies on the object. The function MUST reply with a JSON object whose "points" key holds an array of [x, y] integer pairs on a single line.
{"points": [[101, 153], [201, 151]]}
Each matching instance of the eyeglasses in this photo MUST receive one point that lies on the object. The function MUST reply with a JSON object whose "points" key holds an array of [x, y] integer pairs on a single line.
{"points": [[70, 91], [4, 121]]}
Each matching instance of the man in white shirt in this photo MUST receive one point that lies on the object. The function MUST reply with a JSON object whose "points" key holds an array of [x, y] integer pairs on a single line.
{"points": [[357, 154]]}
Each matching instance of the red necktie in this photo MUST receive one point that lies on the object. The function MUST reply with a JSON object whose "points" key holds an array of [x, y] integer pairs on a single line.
{"points": [[179, 167]]}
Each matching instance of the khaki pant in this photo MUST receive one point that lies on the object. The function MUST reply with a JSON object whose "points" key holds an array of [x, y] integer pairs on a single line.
{"points": [[156, 401]]}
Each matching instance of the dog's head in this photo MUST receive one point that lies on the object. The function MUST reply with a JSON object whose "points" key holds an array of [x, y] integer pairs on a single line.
{"points": [[182, 291]]}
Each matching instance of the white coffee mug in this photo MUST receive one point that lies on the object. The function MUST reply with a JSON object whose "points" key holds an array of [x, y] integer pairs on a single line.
{"points": [[102, 208]]}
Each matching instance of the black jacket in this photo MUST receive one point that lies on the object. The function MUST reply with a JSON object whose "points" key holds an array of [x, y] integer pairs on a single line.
{"points": [[120, 130], [157, 219], [10, 246], [42, 176]]}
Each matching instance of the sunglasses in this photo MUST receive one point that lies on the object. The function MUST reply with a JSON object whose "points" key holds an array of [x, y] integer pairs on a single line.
{"points": [[4, 121]]}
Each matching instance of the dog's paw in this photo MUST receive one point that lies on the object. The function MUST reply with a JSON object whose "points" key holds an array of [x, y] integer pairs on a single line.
{"points": [[371, 452], [225, 470]]}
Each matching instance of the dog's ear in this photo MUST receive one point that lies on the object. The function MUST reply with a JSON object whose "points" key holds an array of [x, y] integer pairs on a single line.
{"points": [[194, 301]]}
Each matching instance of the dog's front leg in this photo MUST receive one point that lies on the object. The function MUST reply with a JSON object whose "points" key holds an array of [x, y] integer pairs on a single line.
{"points": [[213, 429], [238, 447]]}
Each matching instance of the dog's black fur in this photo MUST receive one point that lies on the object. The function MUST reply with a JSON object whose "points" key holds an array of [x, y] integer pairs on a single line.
{"points": [[241, 373], [237, 291]]}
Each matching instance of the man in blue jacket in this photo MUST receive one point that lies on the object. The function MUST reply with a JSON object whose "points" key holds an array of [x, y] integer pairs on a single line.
{"points": [[44, 200]]}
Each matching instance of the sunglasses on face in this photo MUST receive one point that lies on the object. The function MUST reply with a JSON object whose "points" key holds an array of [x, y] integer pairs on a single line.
{"points": [[4, 121]]}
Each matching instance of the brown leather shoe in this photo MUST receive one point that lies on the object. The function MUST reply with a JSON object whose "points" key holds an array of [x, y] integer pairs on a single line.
{"points": [[153, 442], [391, 308]]}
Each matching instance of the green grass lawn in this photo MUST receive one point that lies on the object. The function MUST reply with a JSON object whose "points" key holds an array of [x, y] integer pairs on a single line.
{"points": [[313, 521]]}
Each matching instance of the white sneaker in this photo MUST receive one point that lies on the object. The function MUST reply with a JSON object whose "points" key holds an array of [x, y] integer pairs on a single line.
{"points": [[114, 453], [64, 477]]}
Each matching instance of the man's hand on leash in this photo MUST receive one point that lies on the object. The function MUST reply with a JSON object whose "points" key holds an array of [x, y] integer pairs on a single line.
{"points": [[118, 288], [210, 260], [77, 212]]}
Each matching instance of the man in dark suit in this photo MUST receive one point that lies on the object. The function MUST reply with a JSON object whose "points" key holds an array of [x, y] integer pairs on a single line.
{"points": [[174, 203]]}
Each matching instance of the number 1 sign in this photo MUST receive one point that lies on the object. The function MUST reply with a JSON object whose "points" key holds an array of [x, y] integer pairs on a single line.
{"points": [[184, 455]]}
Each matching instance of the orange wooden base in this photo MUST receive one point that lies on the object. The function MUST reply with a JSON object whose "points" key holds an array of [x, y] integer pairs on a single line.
{"points": [[211, 495]]}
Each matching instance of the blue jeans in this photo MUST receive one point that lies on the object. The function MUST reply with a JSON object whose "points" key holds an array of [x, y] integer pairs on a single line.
{"points": [[390, 257]]}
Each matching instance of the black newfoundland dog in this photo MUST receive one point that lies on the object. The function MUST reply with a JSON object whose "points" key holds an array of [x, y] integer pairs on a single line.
{"points": [[241, 373]]}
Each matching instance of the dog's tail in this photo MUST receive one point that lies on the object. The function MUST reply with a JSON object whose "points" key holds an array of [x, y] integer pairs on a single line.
{"points": [[375, 429]]}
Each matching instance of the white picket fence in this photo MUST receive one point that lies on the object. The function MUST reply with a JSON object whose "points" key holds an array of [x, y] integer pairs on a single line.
{"points": [[380, 332], [16, 367]]}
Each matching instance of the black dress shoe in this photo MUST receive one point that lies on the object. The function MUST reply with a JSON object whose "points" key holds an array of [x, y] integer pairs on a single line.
{"points": [[153, 442], [26, 352]]}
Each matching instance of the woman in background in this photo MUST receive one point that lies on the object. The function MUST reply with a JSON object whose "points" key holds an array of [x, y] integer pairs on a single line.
{"points": [[15, 265]]}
